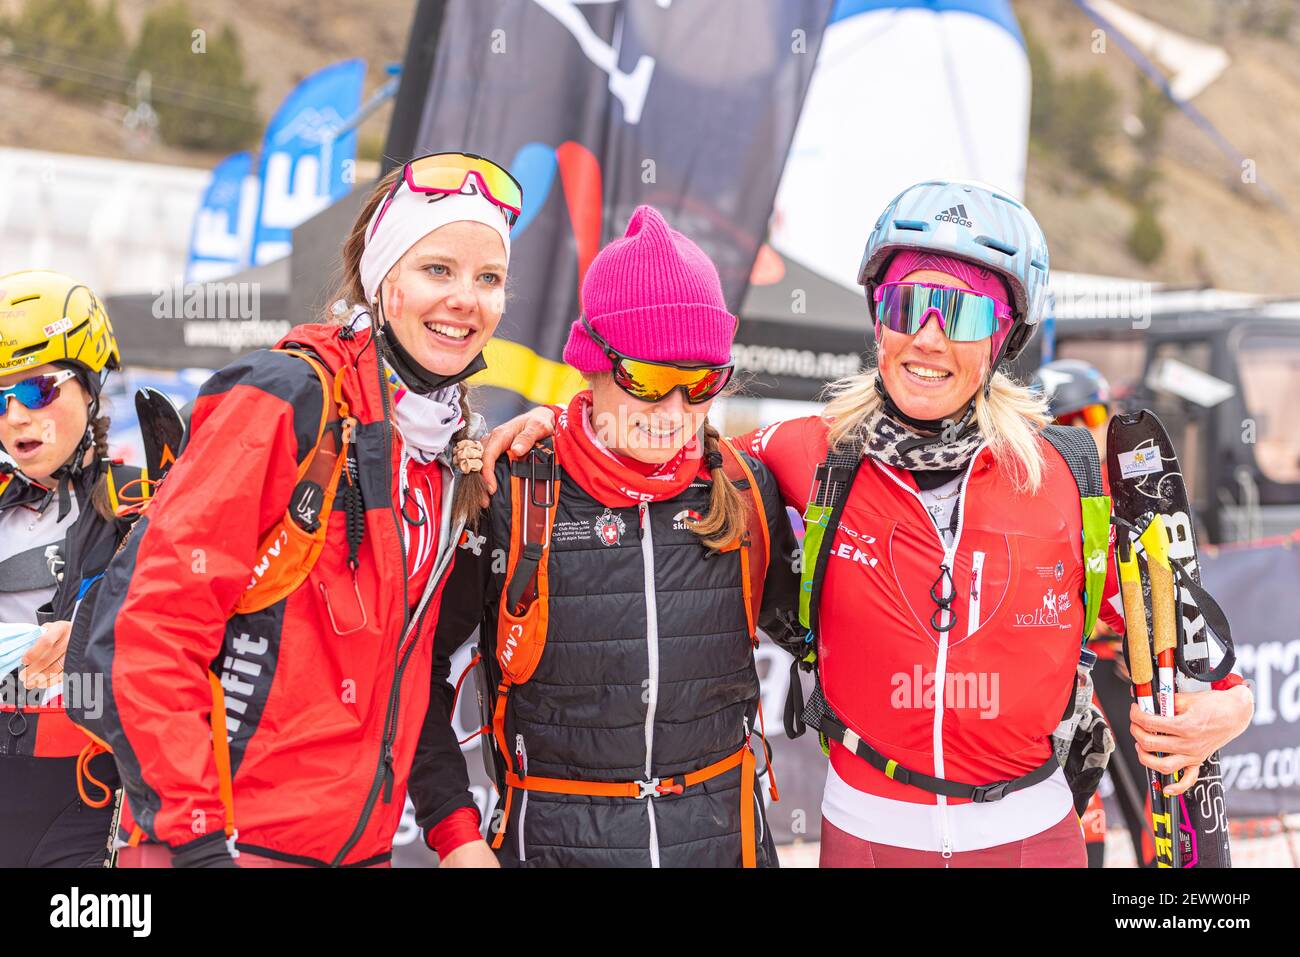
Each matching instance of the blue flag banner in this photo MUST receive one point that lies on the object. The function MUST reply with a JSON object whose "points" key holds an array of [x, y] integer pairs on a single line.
{"points": [[219, 241], [303, 168]]}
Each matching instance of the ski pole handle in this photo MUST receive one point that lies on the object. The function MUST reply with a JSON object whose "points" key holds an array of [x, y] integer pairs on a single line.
{"points": [[1136, 639]]}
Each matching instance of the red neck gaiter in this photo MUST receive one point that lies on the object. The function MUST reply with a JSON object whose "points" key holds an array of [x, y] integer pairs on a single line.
{"points": [[611, 479]]}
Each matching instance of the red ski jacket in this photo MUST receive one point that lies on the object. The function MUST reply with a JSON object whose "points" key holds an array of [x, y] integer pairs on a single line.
{"points": [[1007, 663], [327, 689]]}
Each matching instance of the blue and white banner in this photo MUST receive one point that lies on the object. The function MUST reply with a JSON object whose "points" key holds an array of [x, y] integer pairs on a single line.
{"points": [[1256, 585], [223, 226], [903, 91], [303, 168]]}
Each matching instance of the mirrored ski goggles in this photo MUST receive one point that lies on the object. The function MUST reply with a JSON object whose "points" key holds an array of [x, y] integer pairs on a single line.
{"points": [[655, 381], [964, 316], [449, 172], [36, 392], [1090, 415]]}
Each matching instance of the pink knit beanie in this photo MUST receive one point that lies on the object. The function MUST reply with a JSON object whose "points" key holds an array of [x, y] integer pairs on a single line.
{"points": [[653, 295]]}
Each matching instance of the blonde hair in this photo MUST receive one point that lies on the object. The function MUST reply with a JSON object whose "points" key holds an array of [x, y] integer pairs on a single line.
{"points": [[1009, 420]]}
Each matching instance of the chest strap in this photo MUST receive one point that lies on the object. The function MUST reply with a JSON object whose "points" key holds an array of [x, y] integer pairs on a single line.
{"points": [[832, 729]]}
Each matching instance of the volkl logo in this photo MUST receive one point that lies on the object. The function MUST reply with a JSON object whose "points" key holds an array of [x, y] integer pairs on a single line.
{"points": [[1048, 614]]}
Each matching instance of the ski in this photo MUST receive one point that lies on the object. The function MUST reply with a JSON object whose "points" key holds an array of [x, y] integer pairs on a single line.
{"points": [[1154, 521], [162, 429]]}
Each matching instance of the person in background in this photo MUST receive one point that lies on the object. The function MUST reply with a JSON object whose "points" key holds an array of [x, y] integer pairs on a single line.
{"points": [[57, 533]]}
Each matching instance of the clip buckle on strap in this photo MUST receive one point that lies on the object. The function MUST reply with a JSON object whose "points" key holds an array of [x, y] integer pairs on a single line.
{"points": [[547, 482], [654, 787], [984, 793]]}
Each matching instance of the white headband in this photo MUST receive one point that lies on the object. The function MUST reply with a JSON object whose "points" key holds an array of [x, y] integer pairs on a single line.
{"points": [[410, 217]]}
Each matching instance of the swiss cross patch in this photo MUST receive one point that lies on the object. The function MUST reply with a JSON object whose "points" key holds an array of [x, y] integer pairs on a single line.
{"points": [[610, 528]]}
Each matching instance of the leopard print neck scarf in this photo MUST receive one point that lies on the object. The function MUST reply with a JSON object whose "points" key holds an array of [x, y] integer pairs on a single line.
{"points": [[895, 443]]}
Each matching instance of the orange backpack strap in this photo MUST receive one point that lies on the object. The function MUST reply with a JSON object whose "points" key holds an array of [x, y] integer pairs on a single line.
{"points": [[755, 553], [523, 612], [287, 552], [522, 617], [221, 751]]}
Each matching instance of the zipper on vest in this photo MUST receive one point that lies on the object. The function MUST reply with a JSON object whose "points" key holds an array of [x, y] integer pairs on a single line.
{"points": [[521, 754], [941, 659], [758, 805], [976, 582], [652, 653]]}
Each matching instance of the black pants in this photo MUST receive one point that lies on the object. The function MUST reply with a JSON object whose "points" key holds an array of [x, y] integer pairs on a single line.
{"points": [[43, 821]]}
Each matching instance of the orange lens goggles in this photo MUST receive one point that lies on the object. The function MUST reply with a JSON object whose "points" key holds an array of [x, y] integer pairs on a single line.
{"points": [[1090, 415], [654, 381], [449, 172]]}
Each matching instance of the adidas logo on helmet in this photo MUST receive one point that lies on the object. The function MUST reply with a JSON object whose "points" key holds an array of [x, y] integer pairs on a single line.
{"points": [[955, 214]]}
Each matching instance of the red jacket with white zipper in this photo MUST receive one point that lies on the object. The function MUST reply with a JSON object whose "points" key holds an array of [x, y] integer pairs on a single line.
{"points": [[326, 691], [1007, 663]]}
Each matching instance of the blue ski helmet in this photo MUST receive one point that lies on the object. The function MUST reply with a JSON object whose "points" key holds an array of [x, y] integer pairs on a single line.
{"points": [[975, 222]]}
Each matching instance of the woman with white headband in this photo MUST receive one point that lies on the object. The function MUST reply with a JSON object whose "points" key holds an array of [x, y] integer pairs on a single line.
{"points": [[288, 576]]}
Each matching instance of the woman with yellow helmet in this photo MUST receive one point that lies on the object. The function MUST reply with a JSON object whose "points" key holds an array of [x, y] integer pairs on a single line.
{"points": [[57, 533]]}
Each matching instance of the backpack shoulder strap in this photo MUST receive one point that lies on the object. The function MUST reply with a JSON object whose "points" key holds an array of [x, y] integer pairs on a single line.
{"points": [[1079, 450], [832, 482], [756, 547], [535, 484], [285, 561]]}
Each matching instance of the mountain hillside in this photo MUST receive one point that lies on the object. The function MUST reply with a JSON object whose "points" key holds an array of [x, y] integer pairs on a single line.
{"points": [[1123, 183]]}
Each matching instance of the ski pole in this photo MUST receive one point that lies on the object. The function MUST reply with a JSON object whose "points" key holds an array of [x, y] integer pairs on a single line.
{"points": [[1155, 543], [1140, 669]]}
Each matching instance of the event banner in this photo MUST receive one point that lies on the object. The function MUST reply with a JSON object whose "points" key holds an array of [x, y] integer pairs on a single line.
{"points": [[1257, 587], [304, 166], [598, 107]]}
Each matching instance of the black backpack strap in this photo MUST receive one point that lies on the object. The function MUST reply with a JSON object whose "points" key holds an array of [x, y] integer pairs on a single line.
{"points": [[539, 471], [1077, 447], [833, 729], [838, 483], [1079, 450]]}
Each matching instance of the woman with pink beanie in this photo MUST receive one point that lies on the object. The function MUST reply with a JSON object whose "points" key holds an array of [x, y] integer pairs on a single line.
{"points": [[624, 567]]}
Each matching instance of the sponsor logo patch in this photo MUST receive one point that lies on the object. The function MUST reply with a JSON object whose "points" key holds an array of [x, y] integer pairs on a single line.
{"points": [[855, 551], [54, 328], [1048, 614], [1144, 461], [682, 520]]}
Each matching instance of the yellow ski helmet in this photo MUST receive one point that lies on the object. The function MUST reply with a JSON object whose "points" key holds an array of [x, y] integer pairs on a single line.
{"points": [[48, 317]]}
